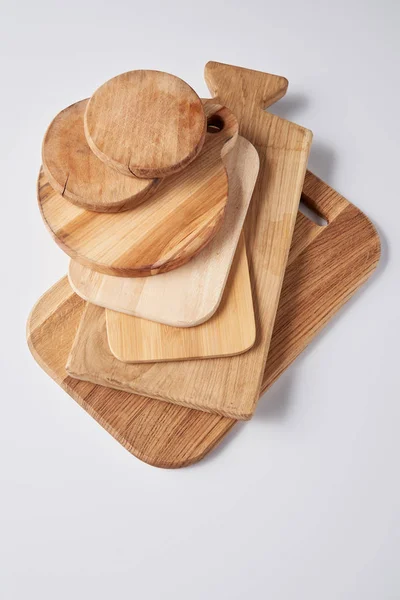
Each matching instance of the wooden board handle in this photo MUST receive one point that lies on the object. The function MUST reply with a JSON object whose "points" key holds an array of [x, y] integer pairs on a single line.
{"points": [[228, 83], [247, 94], [222, 129], [324, 200]]}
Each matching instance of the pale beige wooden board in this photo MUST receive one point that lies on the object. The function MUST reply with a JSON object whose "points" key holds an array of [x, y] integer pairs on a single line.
{"points": [[326, 266], [145, 123], [191, 294], [230, 386], [159, 235], [231, 330], [75, 172]]}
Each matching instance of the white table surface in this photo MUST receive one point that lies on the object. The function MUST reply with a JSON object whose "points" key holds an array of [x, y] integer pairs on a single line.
{"points": [[303, 501]]}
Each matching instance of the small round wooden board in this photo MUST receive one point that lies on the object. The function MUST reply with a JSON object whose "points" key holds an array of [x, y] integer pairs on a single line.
{"points": [[161, 234], [145, 123], [75, 172], [191, 294]]}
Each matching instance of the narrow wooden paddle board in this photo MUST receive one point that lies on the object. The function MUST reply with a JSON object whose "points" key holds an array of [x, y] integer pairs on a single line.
{"points": [[283, 149]]}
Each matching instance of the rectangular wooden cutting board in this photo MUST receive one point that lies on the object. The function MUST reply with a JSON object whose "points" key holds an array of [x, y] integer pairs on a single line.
{"points": [[231, 330], [230, 386], [326, 266]]}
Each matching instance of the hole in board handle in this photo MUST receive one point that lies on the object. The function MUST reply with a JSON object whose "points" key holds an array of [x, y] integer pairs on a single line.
{"points": [[215, 124], [311, 214]]}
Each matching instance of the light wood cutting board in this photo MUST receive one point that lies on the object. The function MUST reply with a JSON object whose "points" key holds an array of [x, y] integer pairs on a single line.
{"points": [[191, 294], [161, 234], [283, 149], [231, 330], [326, 266]]}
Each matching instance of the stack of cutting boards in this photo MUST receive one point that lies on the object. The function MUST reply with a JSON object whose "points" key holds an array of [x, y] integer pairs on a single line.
{"points": [[178, 214]]}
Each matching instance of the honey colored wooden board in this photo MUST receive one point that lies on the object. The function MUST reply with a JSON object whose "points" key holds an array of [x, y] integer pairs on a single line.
{"points": [[326, 266], [283, 149], [159, 235], [145, 123], [191, 294], [231, 330], [75, 172]]}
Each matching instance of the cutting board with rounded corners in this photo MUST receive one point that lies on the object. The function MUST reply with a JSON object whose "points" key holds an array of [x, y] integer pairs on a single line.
{"points": [[161, 234], [283, 149], [326, 266], [231, 330], [76, 173], [191, 294]]}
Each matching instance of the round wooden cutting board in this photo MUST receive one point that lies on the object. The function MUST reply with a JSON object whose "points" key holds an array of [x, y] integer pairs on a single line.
{"points": [[164, 232], [145, 123], [75, 172], [191, 294]]}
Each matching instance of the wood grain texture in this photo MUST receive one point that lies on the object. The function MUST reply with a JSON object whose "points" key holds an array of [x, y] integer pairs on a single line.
{"points": [[283, 149], [231, 330], [159, 235], [191, 294], [326, 266], [75, 172], [145, 123]]}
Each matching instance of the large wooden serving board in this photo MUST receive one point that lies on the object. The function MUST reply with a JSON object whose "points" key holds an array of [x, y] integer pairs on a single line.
{"points": [[283, 149], [191, 294], [326, 266], [161, 234]]}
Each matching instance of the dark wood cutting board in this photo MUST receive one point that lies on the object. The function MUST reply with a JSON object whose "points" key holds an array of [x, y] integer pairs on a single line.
{"points": [[326, 266]]}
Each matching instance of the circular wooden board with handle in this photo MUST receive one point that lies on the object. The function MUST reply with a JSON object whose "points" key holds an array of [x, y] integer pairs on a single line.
{"points": [[145, 123], [164, 232], [75, 172], [191, 294]]}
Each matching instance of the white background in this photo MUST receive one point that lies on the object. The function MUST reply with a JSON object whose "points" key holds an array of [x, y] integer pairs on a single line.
{"points": [[303, 501]]}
